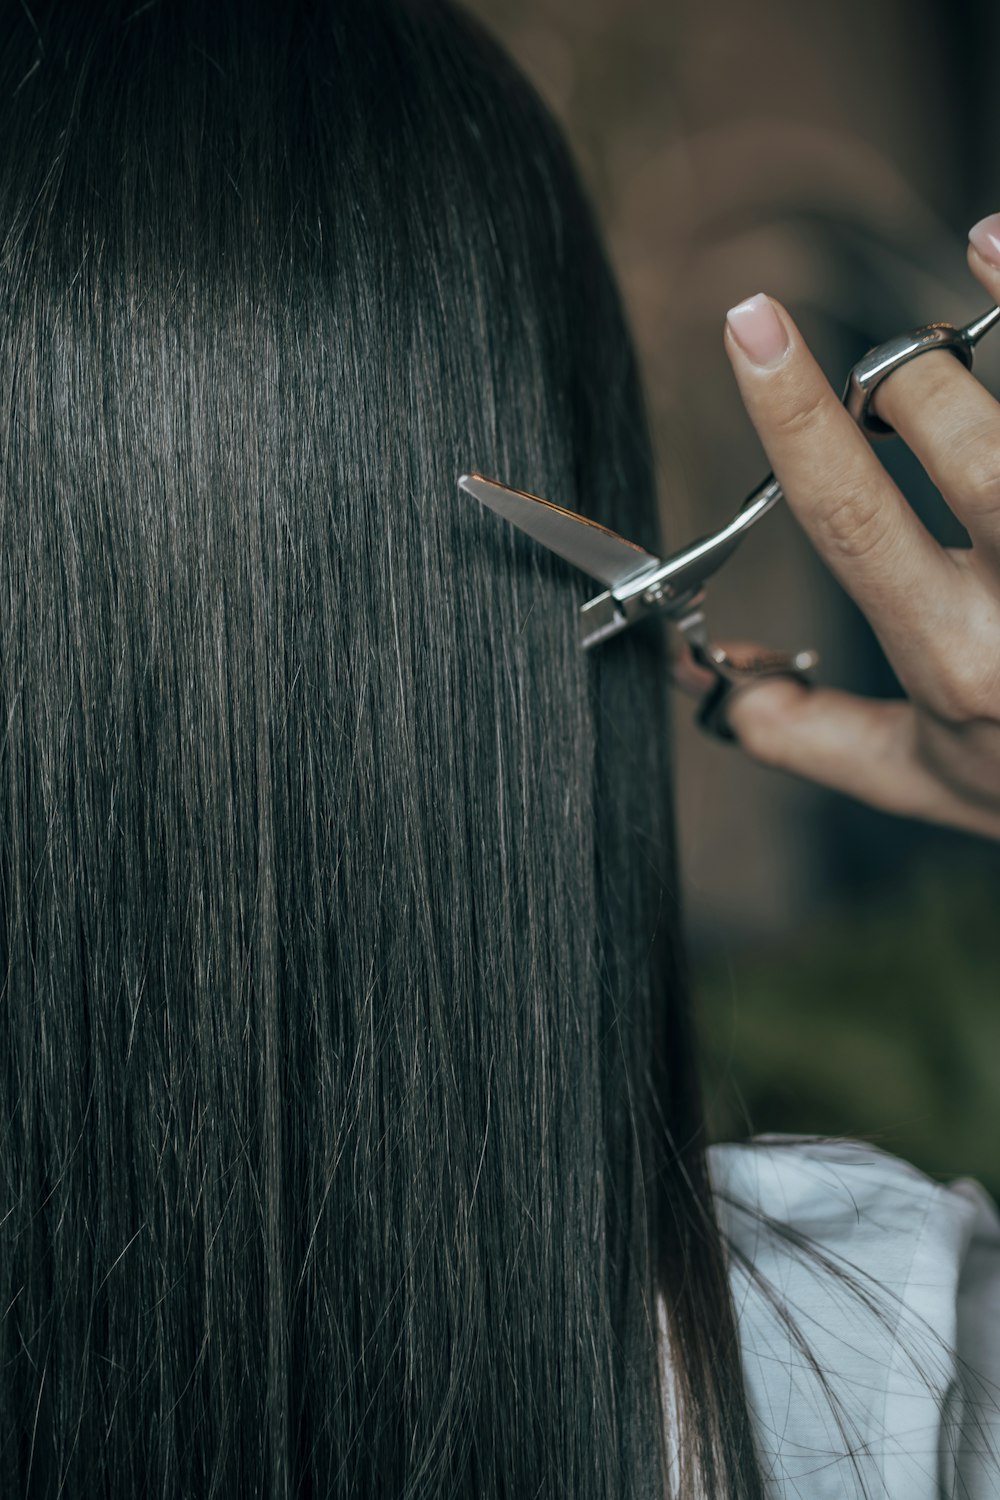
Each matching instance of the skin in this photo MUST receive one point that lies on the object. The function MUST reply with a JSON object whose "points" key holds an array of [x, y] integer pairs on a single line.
{"points": [[935, 611]]}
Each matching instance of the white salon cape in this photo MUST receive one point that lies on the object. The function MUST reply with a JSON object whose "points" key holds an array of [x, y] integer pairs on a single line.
{"points": [[909, 1348]]}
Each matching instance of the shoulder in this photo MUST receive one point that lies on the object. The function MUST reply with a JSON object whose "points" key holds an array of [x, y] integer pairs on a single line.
{"points": [[856, 1280], [848, 1195]]}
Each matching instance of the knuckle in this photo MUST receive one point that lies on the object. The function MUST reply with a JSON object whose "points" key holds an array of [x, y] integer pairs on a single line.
{"points": [[794, 420], [759, 716], [981, 477], [968, 689], [964, 662], [760, 739], [856, 526]]}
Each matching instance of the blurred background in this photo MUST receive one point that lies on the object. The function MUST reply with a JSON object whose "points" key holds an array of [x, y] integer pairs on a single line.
{"points": [[847, 964]]}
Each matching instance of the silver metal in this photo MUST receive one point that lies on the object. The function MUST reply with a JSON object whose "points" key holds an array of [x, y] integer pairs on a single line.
{"points": [[736, 669], [869, 373], [670, 586], [638, 584], [588, 545]]}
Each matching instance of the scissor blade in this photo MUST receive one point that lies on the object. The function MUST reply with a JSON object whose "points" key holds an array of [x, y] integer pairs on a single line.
{"points": [[592, 548]]}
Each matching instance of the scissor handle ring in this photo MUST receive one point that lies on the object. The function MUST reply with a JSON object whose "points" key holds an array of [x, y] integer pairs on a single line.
{"points": [[869, 373], [736, 670]]}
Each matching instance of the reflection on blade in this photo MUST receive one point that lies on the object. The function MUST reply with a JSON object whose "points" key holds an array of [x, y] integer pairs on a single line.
{"points": [[601, 553]]}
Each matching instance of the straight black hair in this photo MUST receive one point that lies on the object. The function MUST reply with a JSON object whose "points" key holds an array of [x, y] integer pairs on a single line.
{"points": [[351, 1139]]}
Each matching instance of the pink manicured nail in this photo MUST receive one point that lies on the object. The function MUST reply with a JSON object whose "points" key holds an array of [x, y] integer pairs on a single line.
{"points": [[986, 237], [758, 330]]}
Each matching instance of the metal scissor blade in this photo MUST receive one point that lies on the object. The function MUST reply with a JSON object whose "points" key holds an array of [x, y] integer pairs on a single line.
{"points": [[592, 548]]}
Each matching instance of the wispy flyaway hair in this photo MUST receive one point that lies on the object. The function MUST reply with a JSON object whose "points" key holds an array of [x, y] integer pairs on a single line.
{"points": [[349, 1118]]}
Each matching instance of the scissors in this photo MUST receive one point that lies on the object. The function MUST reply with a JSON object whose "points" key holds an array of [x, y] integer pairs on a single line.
{"points": [[638, 584]]}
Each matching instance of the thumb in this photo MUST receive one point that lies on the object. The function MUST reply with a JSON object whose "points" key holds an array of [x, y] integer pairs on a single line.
{"points": [[863, 747], [866, 748], [860, 746]]}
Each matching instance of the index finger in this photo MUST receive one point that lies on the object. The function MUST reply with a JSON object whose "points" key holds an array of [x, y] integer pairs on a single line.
{"points": [[854, 513]]}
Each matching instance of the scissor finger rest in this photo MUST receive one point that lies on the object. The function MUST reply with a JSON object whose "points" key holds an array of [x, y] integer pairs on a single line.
{"points": [[739, 668]]}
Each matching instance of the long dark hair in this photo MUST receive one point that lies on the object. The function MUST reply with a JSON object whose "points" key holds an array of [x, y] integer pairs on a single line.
{"points": [[349, 1121]]}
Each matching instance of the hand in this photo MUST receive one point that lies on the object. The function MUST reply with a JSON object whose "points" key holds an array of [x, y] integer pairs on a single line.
{"points": [[935, 611]]}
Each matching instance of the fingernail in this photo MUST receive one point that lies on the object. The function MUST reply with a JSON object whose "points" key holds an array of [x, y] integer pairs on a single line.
{"points": [[986, 237], [758, 330]]}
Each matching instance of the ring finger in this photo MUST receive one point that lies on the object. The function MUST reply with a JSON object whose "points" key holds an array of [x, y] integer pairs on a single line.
{"points": [[952, 425]]}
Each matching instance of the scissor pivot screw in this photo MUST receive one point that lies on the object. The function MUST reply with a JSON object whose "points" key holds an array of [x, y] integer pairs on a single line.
{"points": [[657, 593]]}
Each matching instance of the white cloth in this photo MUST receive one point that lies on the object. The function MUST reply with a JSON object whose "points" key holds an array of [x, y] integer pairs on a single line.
{"points": [[919, 1386]]}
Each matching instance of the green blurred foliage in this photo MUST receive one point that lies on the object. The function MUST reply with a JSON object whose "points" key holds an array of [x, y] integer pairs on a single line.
{"points": [[880, 1020]]}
